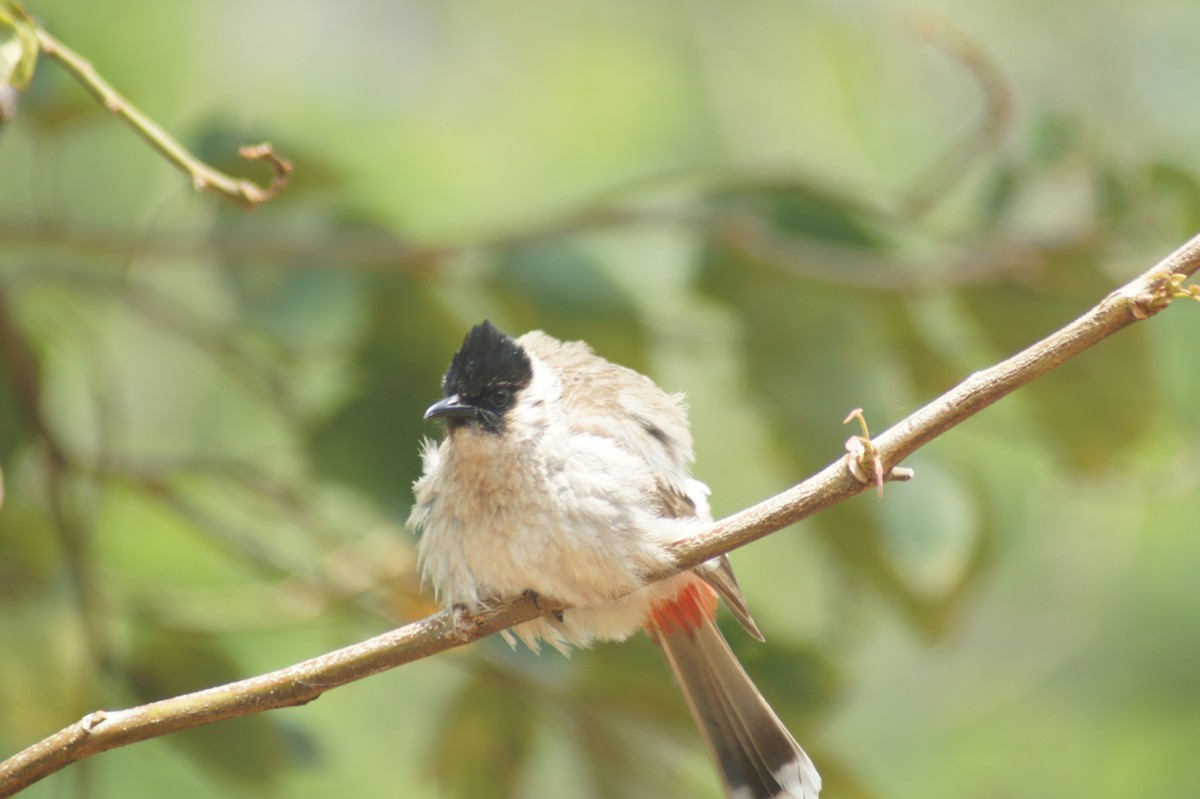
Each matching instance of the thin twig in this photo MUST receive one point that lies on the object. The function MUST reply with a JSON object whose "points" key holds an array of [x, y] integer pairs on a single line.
{"points": [[375, 251], [1139, 299], [954, 165], [303, 682], [240, 191]]}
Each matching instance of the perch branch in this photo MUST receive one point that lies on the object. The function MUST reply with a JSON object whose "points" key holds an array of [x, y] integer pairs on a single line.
{"points": [[102, 730]]}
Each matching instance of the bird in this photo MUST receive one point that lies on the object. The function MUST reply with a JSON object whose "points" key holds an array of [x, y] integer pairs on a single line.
{"points": [[564, 476]]}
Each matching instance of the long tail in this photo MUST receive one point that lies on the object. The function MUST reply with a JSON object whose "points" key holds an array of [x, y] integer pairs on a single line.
{"points": [[755, 753]]}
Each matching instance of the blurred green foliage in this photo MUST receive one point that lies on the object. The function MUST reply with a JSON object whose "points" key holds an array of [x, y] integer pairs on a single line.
{"points": [[209, 420]]}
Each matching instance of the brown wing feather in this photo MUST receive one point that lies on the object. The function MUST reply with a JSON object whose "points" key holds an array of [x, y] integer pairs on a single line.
{"points": [[600, 397]]}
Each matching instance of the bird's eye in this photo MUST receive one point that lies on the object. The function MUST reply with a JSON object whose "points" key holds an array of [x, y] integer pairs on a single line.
{"points": [[500, 397]]}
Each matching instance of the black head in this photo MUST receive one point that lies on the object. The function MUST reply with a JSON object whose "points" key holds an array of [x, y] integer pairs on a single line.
{"points": [[485, 376]]}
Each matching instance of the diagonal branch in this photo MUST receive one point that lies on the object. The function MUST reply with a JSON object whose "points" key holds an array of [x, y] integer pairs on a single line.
{"points": [[244, 193], [1139, 299], [303, 682]]}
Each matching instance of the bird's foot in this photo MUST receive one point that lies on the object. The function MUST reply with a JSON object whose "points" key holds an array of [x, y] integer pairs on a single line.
{"points": [[535, 598]]}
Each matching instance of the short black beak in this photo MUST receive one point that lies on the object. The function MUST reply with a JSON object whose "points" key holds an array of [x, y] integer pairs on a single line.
{"points": [[451, 407]]}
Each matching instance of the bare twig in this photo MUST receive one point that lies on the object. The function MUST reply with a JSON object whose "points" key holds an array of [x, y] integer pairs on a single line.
{"points": [[374, 251], [303, 682], [1139, 299], [954, 165], [242, 192]]}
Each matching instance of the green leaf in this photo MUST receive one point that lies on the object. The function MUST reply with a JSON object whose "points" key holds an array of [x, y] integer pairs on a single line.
{"points": [[1092, 409], [1054, 136], [19, 53], [1114, 199], [13, 427], [30, 544], [999, 191], [563, 289], [804, 211], [619, 762], [1178, 190], [813, 352], [855, 537], [396, 375], [799, 680], [483, 741], [632, 681], [251, 749]]}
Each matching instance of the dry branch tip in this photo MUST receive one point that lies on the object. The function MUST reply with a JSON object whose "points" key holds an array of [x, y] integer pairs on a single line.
{"points": [[244, 193], [281, 169], [860, 451]]}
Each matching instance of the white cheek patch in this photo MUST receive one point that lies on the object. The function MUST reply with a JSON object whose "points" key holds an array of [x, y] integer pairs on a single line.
{"points": [[537, 404]]}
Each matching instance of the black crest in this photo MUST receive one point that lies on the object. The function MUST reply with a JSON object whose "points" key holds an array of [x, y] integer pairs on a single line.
{"points": [[486, 374], [487, 359]]}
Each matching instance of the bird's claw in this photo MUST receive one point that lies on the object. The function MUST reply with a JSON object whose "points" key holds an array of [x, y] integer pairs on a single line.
{"points": [[535, 598], [466, 624], [865, 461]]}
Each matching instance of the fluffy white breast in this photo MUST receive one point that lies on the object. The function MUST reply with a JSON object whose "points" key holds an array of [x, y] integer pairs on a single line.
{"points": [[568, 513]]}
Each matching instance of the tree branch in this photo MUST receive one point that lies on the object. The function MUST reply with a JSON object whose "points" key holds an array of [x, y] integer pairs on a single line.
{"points": [[303, 682], [953, 166], [245, 193], [1139, 299]]}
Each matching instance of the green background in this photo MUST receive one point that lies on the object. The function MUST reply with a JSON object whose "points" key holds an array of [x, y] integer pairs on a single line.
{"points": [[209, 420]]}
